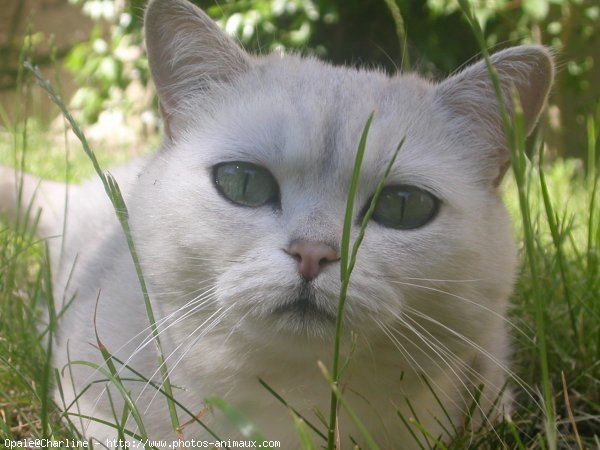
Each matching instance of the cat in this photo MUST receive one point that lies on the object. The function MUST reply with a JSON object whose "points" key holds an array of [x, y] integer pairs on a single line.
{"points": [[237, 220]]}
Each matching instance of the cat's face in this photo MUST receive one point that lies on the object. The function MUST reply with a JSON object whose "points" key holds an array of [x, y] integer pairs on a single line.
{"points": [[260, 156]]}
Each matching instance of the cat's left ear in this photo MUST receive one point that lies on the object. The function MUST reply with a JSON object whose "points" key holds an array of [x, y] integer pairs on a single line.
{"points": [[189, 57], [470, 98]]}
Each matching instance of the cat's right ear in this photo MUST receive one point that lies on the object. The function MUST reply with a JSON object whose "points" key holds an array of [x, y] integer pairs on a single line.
{"points": [[470, 99], [189, 56]]}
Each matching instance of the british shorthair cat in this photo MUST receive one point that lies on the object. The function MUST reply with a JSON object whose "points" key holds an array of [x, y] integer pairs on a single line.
{"points": [[238, 218]]}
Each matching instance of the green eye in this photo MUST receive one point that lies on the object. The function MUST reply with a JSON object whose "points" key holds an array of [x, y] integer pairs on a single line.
{"points": [[246, 184], [405, 207]]}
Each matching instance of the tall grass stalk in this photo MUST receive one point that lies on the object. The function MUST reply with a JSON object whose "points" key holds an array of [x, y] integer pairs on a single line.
{"points": [[347, 263], [19, 157], [114, 193], [396, 14], [557, 240], [344, 250], [592, 183], [335, 387], [515, 135]]}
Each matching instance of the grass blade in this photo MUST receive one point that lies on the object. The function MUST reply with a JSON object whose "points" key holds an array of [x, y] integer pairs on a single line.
{"points": [[515, 136], [348, 265], [112, 189], [361, 428], [296, 414]]}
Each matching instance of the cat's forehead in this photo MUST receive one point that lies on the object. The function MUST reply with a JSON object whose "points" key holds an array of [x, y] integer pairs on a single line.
{"points": [[304, 114], [312, 90], [301, 76]]}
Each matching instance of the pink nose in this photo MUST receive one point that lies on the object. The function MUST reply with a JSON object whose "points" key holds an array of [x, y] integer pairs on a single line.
{"points": [[312, 257]]}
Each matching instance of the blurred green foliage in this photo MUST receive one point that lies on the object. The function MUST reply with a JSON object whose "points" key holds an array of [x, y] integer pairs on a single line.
{"points": [[363, 32]]}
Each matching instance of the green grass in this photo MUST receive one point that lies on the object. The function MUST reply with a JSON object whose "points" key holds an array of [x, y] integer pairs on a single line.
{"points": [[566, 238], [26, 375], [46, 150], [560, 239]]}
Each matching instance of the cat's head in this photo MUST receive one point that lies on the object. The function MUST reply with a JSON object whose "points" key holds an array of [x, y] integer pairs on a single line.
{"points": [[244, 205]]}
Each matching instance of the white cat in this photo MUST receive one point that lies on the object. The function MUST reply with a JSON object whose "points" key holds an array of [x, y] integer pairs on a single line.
{"points": [[238, 220]]}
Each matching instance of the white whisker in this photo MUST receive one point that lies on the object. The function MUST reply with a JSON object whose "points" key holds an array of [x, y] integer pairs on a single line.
{"points": [[457, 376], [470, 302], [194, 341]]}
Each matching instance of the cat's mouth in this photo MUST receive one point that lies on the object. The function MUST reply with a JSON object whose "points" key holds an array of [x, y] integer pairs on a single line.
{"points": [[305, 308]]}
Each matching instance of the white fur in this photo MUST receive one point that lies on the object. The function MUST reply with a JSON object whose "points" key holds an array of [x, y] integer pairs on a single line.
{"points": [[425, 302]]}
